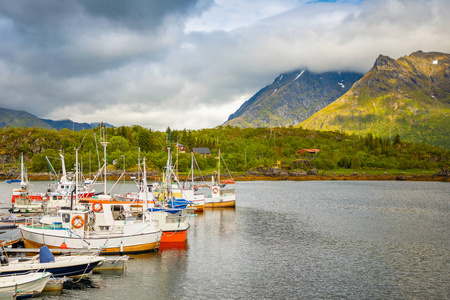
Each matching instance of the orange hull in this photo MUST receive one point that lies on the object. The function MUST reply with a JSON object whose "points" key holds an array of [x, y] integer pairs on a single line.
{"points": [[126, 249], [174, 236], [199, 208], [173, 246], [220, 204]]}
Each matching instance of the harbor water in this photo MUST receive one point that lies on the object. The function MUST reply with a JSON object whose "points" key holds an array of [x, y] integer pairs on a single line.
{"points": [[296, 240]]}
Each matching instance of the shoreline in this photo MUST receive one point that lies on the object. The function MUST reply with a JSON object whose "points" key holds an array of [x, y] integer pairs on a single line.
{"points": [[317, 177]]}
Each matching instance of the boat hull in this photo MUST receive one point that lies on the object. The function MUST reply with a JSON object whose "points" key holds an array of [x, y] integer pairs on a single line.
{"points": [[24, 285], [68, 267], [108, 244], [224, 204], [178, 236]]}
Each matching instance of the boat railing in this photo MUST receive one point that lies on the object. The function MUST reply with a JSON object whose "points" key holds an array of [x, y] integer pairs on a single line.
{"points": [[34, 223], [103, 233], [226, 191]]}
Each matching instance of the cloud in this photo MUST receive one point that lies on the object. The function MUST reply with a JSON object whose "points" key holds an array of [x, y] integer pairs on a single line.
{"points": [[189, 64]]}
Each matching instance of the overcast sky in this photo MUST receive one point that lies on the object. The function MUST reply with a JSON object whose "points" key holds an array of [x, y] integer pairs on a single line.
{"points": [[187, 63]]}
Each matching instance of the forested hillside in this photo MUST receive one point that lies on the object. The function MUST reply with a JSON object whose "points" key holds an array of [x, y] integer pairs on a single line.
{"points": [[242, 148]]}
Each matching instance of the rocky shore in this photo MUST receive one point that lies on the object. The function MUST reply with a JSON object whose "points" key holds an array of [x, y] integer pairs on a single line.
{"points": [[277, 174]]}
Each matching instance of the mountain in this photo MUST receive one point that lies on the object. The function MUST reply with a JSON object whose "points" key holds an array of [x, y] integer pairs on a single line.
{"points": [[409, 96], [17, 118], [292, 98], [69, 124]]}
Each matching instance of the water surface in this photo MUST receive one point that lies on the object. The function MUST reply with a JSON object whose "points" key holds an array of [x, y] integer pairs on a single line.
{"points": [[298, 240]]}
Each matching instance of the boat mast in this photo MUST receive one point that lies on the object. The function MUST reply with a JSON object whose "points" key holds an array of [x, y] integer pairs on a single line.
{"points": [[76, 176], [63, 165], [104, 144], [144, 186], [23, 179], [22, 171], [218, 178], [192, 167]]}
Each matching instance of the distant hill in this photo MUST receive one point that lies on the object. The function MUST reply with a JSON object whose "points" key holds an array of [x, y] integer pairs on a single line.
{"points": [[17, 118], [292, 98], [69, 124], [409, 96]]}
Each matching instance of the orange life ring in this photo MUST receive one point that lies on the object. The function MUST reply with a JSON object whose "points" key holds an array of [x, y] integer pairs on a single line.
{"points": [[97, 206], [77, 221], [215, 190]]}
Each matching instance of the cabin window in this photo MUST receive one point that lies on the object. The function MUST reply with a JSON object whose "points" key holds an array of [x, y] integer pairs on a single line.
{"points": [[118, 212], [66, 218]]}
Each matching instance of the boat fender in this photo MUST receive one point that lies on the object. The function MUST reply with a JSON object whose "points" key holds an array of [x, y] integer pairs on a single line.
{"points": [[215, 190], [97, 206], [77, 221]]}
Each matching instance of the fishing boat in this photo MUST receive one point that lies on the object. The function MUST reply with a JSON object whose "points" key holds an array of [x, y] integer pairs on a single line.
{"points": [[61, 266], [23, 200], [99, 223], [188, 190], [23, 285], [170, 215], [220, 197], [104, 227], [60, 192]]}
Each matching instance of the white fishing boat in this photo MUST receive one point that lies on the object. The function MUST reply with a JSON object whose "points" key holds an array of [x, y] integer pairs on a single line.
{"points": [[60, 266], [61, 192], [103, 225], [172, 219], [96, 223], [220, 196], [23, 285], [23, 200]]}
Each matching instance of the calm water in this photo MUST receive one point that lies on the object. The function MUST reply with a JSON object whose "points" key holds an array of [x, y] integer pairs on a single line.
{"points": [[299, 240]]}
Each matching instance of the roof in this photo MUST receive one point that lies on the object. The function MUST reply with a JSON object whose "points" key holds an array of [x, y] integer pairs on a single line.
{"points": [[308, 150], [201, 150]]}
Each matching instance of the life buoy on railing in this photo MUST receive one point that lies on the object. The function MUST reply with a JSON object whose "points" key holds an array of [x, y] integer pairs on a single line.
{"points": [[215, 190], [77, 221], [97, 206]]}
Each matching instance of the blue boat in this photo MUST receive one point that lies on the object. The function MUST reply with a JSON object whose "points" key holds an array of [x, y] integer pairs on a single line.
{"points": [[12, 180]]}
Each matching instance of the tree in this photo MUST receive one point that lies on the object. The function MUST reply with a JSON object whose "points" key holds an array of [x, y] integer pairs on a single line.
{"points": [[356, 164]]}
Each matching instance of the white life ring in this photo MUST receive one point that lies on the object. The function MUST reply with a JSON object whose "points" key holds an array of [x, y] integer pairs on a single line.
{"points": [[215, 190], [97, 206], [77, 221]]}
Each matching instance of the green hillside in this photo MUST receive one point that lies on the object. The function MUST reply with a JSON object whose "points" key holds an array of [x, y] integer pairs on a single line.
{"points": [[242, 148], [409, 97]]}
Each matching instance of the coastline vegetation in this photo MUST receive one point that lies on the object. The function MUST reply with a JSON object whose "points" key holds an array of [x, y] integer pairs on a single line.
{"points": [[242, 149]]}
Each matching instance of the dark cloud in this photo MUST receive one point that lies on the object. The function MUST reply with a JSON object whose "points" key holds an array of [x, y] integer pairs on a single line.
{"points": [[191, 63]]}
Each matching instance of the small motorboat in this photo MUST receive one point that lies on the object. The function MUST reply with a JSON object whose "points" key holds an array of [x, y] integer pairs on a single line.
{"points": [[23, 285], [69, 266]]}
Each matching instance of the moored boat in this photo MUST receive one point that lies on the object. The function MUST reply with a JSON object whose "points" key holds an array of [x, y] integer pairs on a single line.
{"points": [[23, 285], [105, 228], [173, 220], [61, 266], [220, 196]]}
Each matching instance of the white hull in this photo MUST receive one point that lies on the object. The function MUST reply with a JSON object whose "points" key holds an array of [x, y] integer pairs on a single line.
{"points": [[61, 263], [22, 285], [131, 239]]}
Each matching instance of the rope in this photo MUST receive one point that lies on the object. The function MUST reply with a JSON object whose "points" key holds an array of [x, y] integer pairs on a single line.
{"points": [[18, 291], [84, 272], [179, 222]]}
